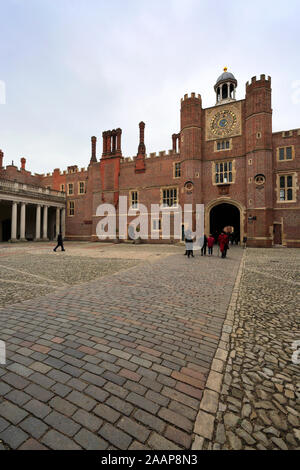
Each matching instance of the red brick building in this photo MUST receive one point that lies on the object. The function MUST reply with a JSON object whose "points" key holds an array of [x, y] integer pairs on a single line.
{"points": [[225, 157]]}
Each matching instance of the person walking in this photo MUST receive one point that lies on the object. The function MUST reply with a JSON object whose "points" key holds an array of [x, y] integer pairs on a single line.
{"points": [[203, 249], [210, 244], [223, 243], [60, 242], [188, 243]]}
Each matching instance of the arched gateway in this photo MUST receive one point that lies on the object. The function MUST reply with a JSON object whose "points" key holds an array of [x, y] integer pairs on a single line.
{"points": [[222, 213]]}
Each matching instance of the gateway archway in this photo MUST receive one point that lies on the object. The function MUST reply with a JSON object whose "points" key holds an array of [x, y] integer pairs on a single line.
{"points": [[224, 214]]}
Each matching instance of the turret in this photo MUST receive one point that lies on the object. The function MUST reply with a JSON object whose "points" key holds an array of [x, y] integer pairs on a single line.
{"points": [[258, 114], [191, 125]]}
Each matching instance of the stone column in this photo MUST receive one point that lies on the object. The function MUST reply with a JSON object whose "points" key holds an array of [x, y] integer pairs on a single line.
{"points": [[228, 90], [45, 223], [57, 221], [63, 222], [38, 223], [23, 222], [14, 215]]}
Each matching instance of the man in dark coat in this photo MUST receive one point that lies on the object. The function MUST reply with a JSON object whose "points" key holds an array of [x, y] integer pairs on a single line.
{"points": [[203, 249], [59, 242]]}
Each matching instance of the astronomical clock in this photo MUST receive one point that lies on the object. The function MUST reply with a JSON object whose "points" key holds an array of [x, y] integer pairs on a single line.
{"points": [[223, 121]]}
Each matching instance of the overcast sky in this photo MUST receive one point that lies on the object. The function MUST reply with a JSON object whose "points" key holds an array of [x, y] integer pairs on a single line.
{"points": [[74, 68]]}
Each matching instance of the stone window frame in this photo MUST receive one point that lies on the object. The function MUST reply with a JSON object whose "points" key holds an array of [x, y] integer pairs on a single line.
{"points": [[136, 204], [175, 170], [284, 147], [294, 187], [68, 187], [71, 208], [79, 192], [169, 188], [233, 171], [220, 141]]}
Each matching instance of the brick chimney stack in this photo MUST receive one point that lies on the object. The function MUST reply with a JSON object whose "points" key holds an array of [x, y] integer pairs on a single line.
{"points": [[23, 163], [142, 148], [140, 165], [1, 158], [94, 143]]}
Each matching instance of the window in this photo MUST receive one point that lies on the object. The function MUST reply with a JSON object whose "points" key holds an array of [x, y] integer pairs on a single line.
{"points": [[70, 188], [134, 199], [285, 153], [224, 145], [223, 173], [177, 170], [71, 208], [156, 224], [81, 187], [286, 188], [62, 187], [169, 197]]}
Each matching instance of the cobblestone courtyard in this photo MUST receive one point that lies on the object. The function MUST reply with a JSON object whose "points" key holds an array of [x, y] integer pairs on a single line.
{"points": [[125, 347]]}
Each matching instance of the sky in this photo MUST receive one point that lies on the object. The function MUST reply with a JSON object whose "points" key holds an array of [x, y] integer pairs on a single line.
{"points": [[70, 69]]}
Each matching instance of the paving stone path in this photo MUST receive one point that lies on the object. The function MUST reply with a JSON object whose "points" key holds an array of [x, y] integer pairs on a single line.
{"points": [[119, 362], [259, 406]]}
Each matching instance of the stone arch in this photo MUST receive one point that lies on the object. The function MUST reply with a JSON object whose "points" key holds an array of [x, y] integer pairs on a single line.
{"points": [[224, 200]]}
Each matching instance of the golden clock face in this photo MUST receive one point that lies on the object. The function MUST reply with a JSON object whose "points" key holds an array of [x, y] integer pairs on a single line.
{"points": [[223, 123]]}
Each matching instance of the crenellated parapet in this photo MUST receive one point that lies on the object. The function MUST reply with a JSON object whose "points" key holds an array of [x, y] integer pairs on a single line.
{"points": [[263, 81], [193, 96]]}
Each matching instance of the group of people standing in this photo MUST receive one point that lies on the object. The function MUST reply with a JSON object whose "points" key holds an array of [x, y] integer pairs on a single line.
{"points": [[208, 244]]}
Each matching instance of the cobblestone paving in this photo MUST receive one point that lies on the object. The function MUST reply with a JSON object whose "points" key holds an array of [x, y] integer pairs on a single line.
{"points": [[118, 362], [31, 270], [259, 406]]}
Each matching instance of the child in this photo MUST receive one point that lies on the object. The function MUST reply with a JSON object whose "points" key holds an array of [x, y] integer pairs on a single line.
{"points": [[210, 244]]}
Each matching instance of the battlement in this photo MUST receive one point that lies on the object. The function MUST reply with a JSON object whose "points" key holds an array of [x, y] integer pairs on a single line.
{"points": [[192, 97], [257, 83], [58, 172], [286, 134], [126, 160], [162, 153]]}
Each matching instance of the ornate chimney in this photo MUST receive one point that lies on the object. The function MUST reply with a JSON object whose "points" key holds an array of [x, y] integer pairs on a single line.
{"points": [[140, 165], [94, 143], [23, 163]]}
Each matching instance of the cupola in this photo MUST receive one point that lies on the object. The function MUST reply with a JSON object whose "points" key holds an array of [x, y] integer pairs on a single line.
{"points": [[225, 87]]}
